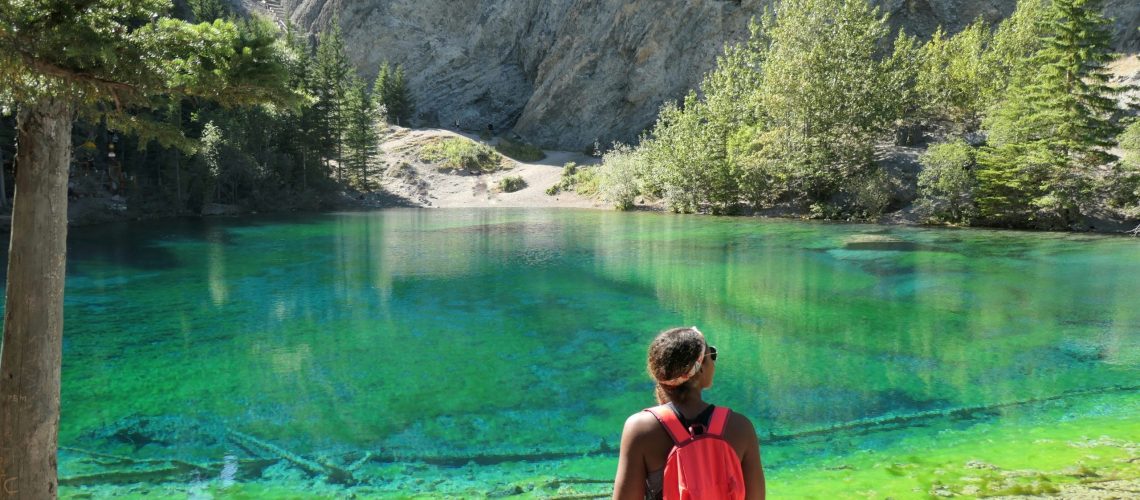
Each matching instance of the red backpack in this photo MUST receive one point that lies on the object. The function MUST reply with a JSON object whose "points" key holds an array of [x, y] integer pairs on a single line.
{"points": [[700, 467]]}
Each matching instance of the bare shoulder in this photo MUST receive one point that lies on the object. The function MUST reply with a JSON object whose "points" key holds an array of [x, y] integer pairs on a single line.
{"points": [[737, 422], [739, 431], [640, 424]]}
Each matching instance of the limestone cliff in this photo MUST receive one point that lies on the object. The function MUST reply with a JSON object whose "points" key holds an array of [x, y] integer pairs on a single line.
{"points": [[564, 73]]}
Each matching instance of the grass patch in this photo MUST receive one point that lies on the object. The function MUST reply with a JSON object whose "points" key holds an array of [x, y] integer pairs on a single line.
{"points": [[456, 153], [582, 180], [511, 184], [519, 151]]}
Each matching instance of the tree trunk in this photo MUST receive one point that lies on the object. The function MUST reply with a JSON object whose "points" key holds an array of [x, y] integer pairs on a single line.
{"points": [[33, 317], [178, 180], [3, 180]]}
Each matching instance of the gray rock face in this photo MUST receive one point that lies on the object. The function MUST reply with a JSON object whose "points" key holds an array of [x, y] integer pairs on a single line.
{"points": [[567, 73]]}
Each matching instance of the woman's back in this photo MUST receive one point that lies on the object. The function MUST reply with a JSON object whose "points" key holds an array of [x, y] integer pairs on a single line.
{"points": [[645, 444]]}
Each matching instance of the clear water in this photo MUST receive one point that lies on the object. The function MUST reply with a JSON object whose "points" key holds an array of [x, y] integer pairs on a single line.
{"points": [[499, 342]]}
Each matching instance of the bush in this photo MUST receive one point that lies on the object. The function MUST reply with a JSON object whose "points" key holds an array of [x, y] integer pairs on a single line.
{"points": [[617, 176], [584, 181], [1125, 184], [946, 183], [871, 194], [519, 151], [457, 153], [511, 184]]}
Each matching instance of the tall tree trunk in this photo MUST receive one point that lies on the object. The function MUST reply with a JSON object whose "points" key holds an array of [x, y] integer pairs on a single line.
{"points": [[3, 181], [178, 179], [33, 316]]}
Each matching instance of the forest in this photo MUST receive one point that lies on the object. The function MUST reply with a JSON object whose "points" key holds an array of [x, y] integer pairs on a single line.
{"points": [[179, 154], [1017, 122], [1027, 129]]}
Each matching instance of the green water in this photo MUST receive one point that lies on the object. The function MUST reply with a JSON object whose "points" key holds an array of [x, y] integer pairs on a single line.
{"points": [[484, 348]]}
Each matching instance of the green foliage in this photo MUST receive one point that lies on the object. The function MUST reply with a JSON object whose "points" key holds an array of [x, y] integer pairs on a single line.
{"points": [[869, 195], [511, 184], [686, 160], [329, 82], [1014, 185], [1129, 142], [946, 183], [458, 153], [793, 113], [1054, 126], [1125, 192], [618, 174], [361, 137], [113, 58], [953, 80], [824, 91], [208, 10], [392, 94], [1009, 55], [582, 180], [519, 151]]}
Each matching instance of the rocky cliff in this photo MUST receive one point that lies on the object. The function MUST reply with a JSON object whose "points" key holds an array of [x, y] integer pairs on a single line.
{"points": [[565, 73]]}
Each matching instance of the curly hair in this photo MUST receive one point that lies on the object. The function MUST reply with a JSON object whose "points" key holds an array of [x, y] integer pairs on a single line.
{"points": [[671, 354]]}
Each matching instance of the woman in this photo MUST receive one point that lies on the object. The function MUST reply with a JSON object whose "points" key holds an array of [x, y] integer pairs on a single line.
{"points": [[682, 364]]}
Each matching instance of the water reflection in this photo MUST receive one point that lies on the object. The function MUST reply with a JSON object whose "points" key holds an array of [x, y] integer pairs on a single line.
{"points": [[463, 333]]}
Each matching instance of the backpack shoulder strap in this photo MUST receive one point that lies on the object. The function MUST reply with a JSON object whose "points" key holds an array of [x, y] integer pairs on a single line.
{"points": [[671, 423], [718, 420]]}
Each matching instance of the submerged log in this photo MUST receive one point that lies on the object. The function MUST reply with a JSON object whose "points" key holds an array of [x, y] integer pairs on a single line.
{"points": [[876, 423], [333, 473]]}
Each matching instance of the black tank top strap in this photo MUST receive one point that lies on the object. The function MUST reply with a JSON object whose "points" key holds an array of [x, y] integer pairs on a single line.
{"points": [[699, 424]]}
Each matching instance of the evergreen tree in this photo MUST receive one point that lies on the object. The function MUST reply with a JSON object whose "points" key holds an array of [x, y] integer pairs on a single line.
{"points": [[361, 139], [205, 11], [1054, 126], [391, 94], [330, 80], [101, 59], [304, 132], [399, 99], [380, 89]]}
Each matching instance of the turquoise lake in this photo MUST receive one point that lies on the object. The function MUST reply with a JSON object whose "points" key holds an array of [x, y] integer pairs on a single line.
{"points": [[459, 352]]}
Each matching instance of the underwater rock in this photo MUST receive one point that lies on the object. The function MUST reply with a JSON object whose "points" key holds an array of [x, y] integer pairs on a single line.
{"points": [[1081, 349], [163, 431]]}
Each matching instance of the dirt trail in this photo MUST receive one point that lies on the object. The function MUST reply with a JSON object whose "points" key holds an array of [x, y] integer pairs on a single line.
{"points": [[422, 184]]}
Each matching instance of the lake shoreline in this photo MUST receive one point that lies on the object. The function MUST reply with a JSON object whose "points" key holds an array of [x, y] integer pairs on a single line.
{"points": [[410, 182]]}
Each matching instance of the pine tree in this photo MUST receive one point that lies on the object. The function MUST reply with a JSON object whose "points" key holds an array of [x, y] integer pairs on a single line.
{"points": [[206, 11], [1077, 105], [400, 98], [391, 94], [330, 79], [100, 59], [1055, 125], [380, 89], [361, 139]]}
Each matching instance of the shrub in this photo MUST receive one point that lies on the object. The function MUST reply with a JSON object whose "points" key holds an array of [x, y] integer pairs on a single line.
{"points": [[1125, 185], [617, 176], [584, 181], [871, 194], [946, 183], [457, 153], [511, 184], [519, 151]]}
